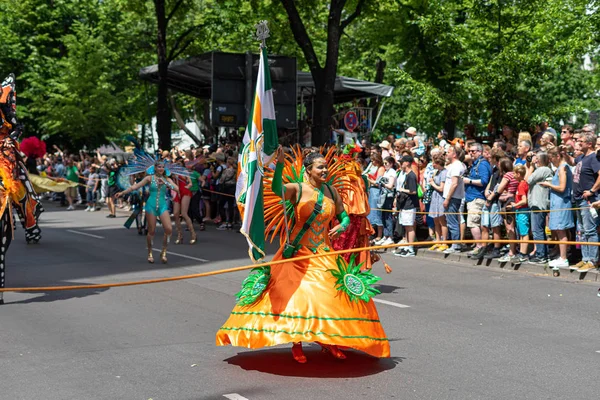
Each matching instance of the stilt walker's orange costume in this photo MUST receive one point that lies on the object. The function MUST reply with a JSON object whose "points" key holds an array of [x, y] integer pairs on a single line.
{"points": [[325, 299], [15, 188]]}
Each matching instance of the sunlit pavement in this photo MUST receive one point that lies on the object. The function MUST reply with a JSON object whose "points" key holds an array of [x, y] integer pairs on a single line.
{"points": [[456, 331]]}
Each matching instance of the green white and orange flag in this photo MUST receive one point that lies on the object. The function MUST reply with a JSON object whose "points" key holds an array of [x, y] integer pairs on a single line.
{"points": [[260, 144]]}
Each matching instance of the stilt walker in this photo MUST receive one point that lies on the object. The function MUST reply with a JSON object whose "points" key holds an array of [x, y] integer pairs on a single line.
{"points": [[16, 190]]}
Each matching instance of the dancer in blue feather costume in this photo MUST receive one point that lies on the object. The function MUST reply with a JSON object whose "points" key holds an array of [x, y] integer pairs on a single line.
{"points": [[158, 179]]}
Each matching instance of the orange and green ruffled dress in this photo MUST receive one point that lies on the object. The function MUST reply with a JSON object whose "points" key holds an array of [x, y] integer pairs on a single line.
{"points": [[301, 303]]}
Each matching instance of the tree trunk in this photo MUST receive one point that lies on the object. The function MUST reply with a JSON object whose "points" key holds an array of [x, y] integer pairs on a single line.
{"points": [[379, 74], [163, 112], [450, 120], [321, 131], [324, 77]]}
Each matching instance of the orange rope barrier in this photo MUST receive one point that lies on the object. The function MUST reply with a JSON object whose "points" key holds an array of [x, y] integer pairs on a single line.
{"points": [[283, 261], [446, 213], [488, 212]]}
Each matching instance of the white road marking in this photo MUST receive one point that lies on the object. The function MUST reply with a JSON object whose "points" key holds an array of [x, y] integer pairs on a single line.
{"points": [[183, 255], [391, 303], [597, 351], [234, 396], [85, 234]]}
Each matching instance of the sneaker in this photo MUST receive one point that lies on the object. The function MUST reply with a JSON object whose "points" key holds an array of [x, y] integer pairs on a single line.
{"points": [[577, 266], [377, 242], [94, 209], [537, 260], [399, 252], [386, 242], [442, 247], [490, 255], [522, 258], [70, 208], [473, 252], [434, 247], [559, 263], [506, 259], [111, 216], [222, 227], [88, 209], [477, 253], [408, 253], [451, 250], [588, 266]]}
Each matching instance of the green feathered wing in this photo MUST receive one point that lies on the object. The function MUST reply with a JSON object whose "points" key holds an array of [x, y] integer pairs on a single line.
{"points": [[354, 282], [253, 286]]}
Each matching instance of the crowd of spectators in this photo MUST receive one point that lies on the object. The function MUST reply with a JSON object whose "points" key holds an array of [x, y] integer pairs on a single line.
{"points": [[537, 184], [213, 172]]}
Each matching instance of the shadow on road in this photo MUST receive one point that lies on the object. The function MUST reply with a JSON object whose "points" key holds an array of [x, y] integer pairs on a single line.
{"points": [[48, 297], [319, 365], [89, 247], [388, 288]]}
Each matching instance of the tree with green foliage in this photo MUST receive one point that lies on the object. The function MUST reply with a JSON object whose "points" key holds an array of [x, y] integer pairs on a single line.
{"points": [[324, 71]]}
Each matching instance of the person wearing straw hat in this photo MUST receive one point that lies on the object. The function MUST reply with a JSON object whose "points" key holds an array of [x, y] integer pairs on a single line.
{"points": [[419, 148], [386, 149]]}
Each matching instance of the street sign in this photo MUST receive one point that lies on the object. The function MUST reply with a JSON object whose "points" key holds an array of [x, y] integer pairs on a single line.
{"points": [[351, 121]]}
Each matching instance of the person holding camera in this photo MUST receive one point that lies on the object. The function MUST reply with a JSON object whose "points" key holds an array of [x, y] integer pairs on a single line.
{"points": [[386, 200], [475, 184], [374, 173], [523, 150], [454, 193], [586, 186], [538, 198]]}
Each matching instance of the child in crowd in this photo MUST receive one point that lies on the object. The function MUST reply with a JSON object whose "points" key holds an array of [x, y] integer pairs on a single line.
{"points": [[92, 188], [522, 211]]}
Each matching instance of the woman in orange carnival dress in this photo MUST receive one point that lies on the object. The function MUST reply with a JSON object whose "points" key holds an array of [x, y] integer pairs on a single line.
{"points": [[321, 299]]}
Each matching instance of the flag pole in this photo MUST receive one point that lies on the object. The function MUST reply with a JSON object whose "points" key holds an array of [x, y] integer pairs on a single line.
{"points": [[262, 34]]}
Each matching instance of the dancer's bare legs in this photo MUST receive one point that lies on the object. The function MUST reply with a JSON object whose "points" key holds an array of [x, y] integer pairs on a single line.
{"points": [[165, 220]]}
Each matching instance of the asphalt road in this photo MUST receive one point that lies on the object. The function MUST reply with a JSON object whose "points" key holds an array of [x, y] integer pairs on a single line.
{"points": [[467, 333]]}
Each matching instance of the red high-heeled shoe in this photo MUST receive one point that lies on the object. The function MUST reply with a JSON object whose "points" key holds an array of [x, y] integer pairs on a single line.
{"points": [[298, 354], [333, 350]]}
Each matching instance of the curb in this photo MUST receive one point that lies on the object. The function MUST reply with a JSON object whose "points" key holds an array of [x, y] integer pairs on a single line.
{"points": [[462, 258]]}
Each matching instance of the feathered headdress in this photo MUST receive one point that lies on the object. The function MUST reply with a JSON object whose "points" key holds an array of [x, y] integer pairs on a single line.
{"points": [[33, 147], [350, 149], [144, 162]]}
